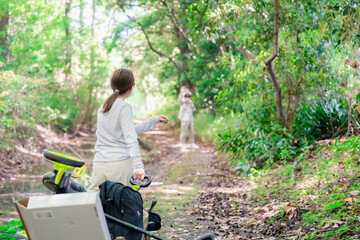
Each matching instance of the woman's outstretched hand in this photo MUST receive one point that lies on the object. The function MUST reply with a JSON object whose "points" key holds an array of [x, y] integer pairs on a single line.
{"points": [[163, 119]]}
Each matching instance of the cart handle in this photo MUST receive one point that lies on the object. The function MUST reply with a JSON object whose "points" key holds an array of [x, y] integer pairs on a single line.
{"points": [[140, 184]]}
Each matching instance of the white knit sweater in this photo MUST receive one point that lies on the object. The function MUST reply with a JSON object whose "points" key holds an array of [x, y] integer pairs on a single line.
{"points": [[117, 134]]}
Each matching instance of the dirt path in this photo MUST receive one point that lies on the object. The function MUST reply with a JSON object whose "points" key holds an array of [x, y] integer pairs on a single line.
{"points": [[198, 193], [179, 179]]}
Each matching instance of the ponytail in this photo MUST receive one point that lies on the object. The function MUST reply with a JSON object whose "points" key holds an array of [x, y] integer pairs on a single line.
{"points": [[121, 81], [110, 101]]}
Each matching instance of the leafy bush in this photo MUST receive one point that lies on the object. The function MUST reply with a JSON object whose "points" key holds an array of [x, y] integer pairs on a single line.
{"points": [[26, 101], [57, 107], [207, 125], [350, 145], [171, 108], [18, 103], [8, 230], [255, 138], [324, 118]]}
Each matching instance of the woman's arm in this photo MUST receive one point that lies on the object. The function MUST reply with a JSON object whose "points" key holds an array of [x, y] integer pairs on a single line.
{"points": [[146, 125], [130, 136]]}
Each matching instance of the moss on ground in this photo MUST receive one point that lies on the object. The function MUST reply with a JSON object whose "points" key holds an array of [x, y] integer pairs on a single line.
{"points": [[175, 199]]}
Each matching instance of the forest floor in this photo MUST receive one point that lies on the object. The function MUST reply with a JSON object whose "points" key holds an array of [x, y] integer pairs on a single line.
{"points": [[197, 192]]}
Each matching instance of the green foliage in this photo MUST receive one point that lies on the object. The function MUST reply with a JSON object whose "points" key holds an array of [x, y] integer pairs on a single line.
{"points": [[310, 218], [217, 47], [350, 145], [58, 109], [253, 139], [58, 74], [28, 101], [325, 118], [322, 119], [223, 55], [306, 61], [207, 125], [36, 47], [171, 109], [8, 230], [18, 103]]}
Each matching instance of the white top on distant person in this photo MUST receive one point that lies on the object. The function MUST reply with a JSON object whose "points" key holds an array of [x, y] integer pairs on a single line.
{"points": [[117, 155], [186, 118]]}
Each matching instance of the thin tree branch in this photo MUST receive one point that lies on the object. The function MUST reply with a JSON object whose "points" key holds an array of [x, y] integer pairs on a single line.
{"points": [[147, 38], [339, 132], [340, 129], [232, 58], [332, 126], [276, 34], [279, 108], [245, 53], [242, 50], [4, 25], [176, 25], [349, 118]]}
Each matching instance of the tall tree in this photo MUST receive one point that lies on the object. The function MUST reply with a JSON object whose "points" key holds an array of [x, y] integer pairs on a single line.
{"points": [[268, 62], [68, 50], [4, 24], [93, 44]]}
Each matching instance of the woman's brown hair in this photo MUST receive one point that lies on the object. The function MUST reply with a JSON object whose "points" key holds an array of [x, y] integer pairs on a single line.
{"points": [[121, 81]]}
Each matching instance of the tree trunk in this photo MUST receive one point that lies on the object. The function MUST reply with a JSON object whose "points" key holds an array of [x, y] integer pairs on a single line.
{"points": [[173, 17], [68, 50], [81, 16], [268, 62], [88, 113], [184, 50], [4, 23], [183, 42], [349, 118]]}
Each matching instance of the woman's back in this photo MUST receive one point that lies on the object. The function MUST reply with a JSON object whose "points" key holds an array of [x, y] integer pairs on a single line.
{"points": [[111, 144]]}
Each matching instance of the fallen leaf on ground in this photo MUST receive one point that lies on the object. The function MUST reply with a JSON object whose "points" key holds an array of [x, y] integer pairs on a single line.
{"points": [[280, 226], [292, 212], [260, 211], [354, 193], [356, 209], [251, 220], [337, 222], [326, 226]]}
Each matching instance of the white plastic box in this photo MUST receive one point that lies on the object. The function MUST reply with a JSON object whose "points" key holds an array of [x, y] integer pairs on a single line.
{"points": [[75, 216]]}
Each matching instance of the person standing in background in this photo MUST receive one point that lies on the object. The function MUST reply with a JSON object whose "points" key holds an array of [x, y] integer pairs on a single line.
{"points": [[186, 118]]}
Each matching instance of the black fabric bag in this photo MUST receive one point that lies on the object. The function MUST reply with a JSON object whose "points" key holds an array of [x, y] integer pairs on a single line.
{"points": [[123, 203]]}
